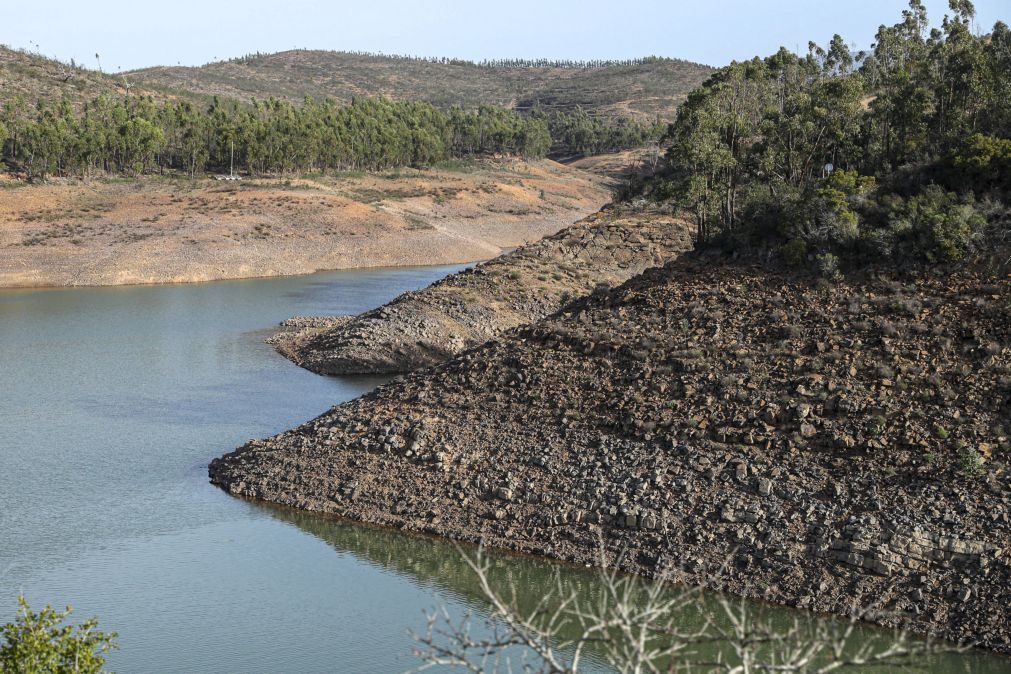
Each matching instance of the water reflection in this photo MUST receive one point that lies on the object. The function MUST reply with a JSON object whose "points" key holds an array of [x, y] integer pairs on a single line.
{"points": [[441, 565]]}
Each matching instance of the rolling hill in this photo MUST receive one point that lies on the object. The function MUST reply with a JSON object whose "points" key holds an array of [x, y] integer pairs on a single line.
{"points": [[643, 88], [34, 77], [640, 89]]}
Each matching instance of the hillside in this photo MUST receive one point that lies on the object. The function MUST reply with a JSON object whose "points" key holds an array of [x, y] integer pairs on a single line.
{"points": [[154, 229], [653, 87], [34, 77], [826, 448]]}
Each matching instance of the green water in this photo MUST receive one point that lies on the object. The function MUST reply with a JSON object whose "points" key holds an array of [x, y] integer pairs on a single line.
{"points": [[112, 402]]}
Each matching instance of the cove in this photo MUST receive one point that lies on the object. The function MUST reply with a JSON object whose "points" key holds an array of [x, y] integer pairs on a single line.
{"points": [[113, 401]]}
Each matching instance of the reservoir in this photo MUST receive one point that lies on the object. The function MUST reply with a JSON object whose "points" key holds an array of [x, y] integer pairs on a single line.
{"points": [[112, 403]]}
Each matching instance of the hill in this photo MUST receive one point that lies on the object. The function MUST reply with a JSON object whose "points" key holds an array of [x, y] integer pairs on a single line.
{"points": [[35, 77], [643, 88]]}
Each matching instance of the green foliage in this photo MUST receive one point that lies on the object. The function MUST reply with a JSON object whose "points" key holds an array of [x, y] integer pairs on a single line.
{"points": [[135, 134], [937, 223], [879, 153], [985, 162], [39, 643], [828, 266], [971, 462], [850, 183], [577, 132], [794, 252]]}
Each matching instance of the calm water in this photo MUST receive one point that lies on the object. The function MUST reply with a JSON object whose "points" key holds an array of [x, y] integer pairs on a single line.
{"points": [[112, 402]]}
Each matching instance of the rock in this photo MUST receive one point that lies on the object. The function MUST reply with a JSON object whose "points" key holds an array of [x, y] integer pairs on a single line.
{"points": [[828, 505]]}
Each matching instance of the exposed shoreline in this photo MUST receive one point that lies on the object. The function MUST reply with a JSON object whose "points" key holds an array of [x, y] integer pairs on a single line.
{"points": [[431, 325], [627, 415], [153, 230]]}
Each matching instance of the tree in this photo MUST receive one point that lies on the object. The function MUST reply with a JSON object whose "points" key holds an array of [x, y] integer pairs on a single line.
{"points": [[38, 643], [753, 149]]}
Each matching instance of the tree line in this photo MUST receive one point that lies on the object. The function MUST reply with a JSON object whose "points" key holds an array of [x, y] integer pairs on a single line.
{"points": [[132, 135], [579, 133], [573, 64], [905, 149]]}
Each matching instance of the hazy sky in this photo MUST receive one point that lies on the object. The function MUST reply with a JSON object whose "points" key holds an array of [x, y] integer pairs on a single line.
{"points": [[134, 33]]}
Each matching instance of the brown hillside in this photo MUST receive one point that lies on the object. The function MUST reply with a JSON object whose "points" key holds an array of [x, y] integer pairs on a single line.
{"points": [[652, 88]]}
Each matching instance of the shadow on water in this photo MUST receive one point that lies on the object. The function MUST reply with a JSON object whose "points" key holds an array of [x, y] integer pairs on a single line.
{"points": [[440, 565]]}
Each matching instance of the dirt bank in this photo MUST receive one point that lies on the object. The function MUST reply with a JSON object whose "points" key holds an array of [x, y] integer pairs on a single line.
{"points": [[461, 311], [155, 230], [839, 445]]}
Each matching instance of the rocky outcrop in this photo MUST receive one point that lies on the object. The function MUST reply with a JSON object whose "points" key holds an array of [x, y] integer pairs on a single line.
{"points": [[429, 326], [818, 445]]}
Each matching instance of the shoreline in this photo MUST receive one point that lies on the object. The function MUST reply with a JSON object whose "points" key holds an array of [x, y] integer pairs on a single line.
{"points": [[162, 231], [542, 439], [431, 325], [240, 279]]}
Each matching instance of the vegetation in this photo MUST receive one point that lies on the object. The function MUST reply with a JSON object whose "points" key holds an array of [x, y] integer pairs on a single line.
{"points": [[492, 63], [641, 88], [35, 77], [136, 134], [64, 119], [900, 152], [579, 133], [39, 643]]}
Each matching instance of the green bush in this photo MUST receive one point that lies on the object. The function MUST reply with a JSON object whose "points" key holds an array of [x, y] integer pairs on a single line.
{"points": [[828, 265], [942, 228], [985, 162], [972, 462], [850, 183], [794, 252], [834, 222], [38, 643]]}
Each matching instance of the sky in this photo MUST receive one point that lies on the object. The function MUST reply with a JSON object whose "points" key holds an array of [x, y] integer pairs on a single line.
{"points": [[129, 34]]}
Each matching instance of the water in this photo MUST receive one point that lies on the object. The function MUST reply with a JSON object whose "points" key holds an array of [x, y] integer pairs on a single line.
{"points": [[112, 402]]}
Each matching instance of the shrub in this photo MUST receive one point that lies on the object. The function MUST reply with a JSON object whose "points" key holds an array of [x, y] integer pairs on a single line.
{"points": [[794, 252], [984, 162], [828, 265], [850, 183], [834, 222], [934, 224], [944, 228], [972, 462], [38, 643]]}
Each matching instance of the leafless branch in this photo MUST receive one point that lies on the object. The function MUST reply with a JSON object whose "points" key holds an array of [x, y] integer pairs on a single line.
{"points": [[639, 627]]}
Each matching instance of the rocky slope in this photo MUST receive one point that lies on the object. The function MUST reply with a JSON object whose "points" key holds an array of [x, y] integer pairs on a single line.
{"points": [[429, 326], [835, 445]]}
